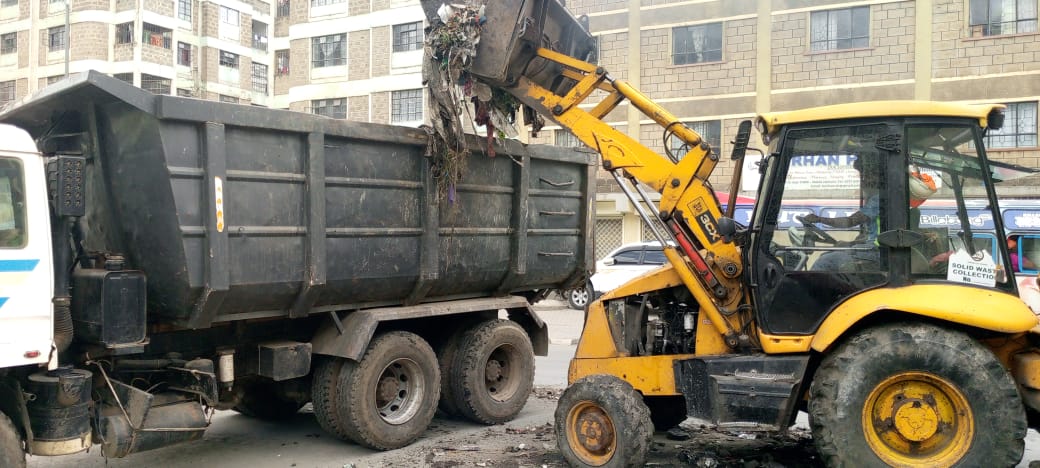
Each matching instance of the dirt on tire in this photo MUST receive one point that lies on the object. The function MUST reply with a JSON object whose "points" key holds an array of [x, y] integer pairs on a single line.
{"points": [[365, 383], [848, 376], [493, 372], [11, 452], [629, 442]]}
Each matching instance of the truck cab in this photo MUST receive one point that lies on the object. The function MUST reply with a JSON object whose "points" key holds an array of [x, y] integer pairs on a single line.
{"points": [[26, 328]]}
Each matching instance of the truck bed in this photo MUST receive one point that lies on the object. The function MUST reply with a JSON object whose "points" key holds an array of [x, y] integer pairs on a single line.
{"points": [[238, 212]]}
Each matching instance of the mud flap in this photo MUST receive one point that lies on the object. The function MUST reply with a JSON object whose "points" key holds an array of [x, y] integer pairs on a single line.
{"points": [[742, 392]]}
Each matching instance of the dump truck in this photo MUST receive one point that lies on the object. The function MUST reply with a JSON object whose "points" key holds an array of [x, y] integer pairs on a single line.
{"points": [[907, 345], [166, 257]]}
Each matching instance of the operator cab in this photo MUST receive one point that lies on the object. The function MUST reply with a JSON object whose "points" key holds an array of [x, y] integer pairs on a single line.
{"points": [[841, 200]]}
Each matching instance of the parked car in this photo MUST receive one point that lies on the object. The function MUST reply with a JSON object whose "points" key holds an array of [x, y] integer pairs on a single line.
{"points": [[620, 265]]}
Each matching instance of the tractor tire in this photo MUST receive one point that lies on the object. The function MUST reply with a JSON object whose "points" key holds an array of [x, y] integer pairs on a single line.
{"points": [[388, 399], [325, 395], [493, 372], [446, 353], [666, 412], [915, 394], [12, 453], [262, 400], [602, 421]]}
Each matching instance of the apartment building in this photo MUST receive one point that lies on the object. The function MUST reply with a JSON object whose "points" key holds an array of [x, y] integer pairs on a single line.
{"points": [[712, 63]]}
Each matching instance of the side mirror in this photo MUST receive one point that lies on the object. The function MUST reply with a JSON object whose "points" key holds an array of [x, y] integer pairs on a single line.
{"points": [[610, 261], [740, 142]]}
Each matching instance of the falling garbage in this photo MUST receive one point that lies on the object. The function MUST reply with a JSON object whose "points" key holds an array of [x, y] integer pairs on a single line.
{"points": [[451, 45]]}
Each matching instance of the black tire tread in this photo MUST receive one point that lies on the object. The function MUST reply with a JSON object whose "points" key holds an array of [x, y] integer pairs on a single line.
{"points": [[324, 393], [466, 377], [1000, 424], [12, 453], [625, 407], [446, 353]]}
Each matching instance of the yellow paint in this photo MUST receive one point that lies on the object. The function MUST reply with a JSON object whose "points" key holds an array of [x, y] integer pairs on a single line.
{"points": [[917, 419], [975, 307], [218, 188], [775, 120], [1026, 369], [777, 344], [596, 340], [651, 375]]}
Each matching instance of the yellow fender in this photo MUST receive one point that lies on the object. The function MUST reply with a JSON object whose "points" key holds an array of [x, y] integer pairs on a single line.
{"points": [[966, 305]]}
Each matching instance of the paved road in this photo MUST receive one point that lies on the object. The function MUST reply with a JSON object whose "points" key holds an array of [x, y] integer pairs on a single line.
{"points": [[234, 441]]}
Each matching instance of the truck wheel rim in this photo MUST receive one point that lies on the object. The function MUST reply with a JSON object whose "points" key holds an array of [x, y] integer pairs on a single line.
{"points": [[502, 373], [591, 434], [399, 391], [920, 419]]}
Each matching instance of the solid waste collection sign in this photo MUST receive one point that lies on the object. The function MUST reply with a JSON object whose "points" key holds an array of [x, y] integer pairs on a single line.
{"points": [[978, 269]]}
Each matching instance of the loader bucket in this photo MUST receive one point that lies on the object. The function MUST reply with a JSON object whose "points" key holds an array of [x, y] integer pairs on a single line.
{"points": [[514, 31]]}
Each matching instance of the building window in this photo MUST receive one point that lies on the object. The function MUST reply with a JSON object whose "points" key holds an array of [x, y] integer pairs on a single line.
{"points": [[127, 77], [1019, 130], [227, 99], [8, 3], [227, 59], [406, 106], [709, 130], [992, 17], [283, 9], [848, 28], [54, 79], [182, 92], [184, 54], [259, 35], [697, 44], [228, 16], [184, 9], [7, 92], [124, 33], [335, 108], [155, 84], [260, 78], [318, 3], [567, 139], [329, 51], [9, 43], [156, 36], [408, 37], [281, 62], [56, 38]]}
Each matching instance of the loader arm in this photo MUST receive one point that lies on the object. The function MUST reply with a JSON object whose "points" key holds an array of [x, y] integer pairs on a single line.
{"points": [[709, 266]]}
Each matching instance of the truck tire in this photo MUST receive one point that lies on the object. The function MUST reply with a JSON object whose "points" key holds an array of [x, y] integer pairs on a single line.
{"points": [[325, 395], [915, 394], [602, 421], [446, 358], [389, 398], [12, 453], [262, 400], [493, 372]]}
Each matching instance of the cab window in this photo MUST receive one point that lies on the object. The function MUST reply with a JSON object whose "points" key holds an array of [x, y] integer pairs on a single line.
{"points": [[12, 204]]}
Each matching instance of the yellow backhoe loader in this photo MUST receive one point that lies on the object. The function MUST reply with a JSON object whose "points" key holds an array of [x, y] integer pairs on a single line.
{"points": [[907, 346]]}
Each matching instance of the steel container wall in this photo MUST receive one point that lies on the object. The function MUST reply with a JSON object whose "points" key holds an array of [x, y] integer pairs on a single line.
{"points": [[238, 212]]}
